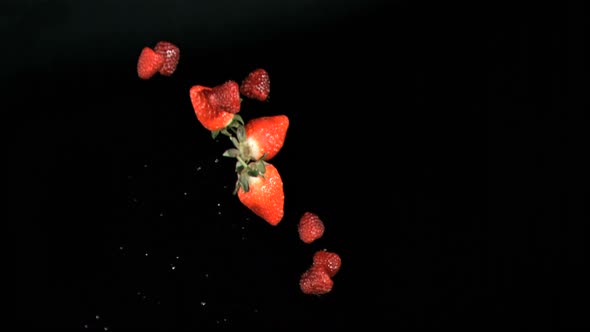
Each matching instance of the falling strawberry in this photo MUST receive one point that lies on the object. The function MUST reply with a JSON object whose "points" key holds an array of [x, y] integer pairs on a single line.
{"points": [[211, 118], [225, 97], [256, 85], [330, 261], [149, 63], [171, 55], [316, 281], [260, 138], [310, 227], [260, 189]]}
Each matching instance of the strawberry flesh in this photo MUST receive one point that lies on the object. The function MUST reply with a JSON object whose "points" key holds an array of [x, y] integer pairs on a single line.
{"points": [[149, 63]]}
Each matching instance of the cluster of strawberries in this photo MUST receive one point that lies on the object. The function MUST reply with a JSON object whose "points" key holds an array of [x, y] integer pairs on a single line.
{"points": [[259, 185], [317, 280]]}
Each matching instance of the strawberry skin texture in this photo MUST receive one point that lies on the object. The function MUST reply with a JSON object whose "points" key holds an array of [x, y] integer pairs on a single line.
{"points": [[266, 135], [310, 227], [211, 118], [171, 55], [256, 85], [149, 63], [330, 261], [265, 196], [316, 281], [225, 97]]}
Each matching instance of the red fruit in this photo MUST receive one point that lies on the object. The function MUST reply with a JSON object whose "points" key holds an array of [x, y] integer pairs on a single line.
{"points": [[256, 85], [264, 135], [260, 189], [211, 118], [316, 281], [225, 97], [310, 227], [330, 261], [149, 63], [171, 55]]}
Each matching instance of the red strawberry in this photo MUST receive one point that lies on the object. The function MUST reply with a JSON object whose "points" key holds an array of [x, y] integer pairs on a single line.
{"points": [[260, 189], [211, 118], [256, 85], [225, 97], [149, 63], [171, 55], [310, 227], [264, 135], [330, 261], [316, 281]]}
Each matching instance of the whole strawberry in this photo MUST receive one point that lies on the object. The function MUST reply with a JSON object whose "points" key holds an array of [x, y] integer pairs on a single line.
{"points": [[260, 189], [225, 97], [171, 55], [316, 281], [261, 138], [256, 85], [149, 63], [330, 261], [310, 227], [211, 118]]}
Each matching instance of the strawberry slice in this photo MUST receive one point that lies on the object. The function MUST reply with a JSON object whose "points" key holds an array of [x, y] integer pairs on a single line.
{"points": [[310, 227], [149, 63], [260, 189], [225, 97], [171, 55], [211, 118], [256, 85]]}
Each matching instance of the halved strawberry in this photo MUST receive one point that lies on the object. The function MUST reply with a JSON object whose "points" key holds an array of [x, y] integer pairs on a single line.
{"points": [[171, 55], [211, 118], [256, 85], [310, 227], [225, 97], [260, 189], [260, 138], [149, 63]]}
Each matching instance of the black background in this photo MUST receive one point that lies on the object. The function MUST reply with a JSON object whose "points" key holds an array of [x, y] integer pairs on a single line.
{"points": [[436, 142]]}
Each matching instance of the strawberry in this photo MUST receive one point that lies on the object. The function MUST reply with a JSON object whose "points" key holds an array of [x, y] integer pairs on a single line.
{"points": [[260, 189], [310, 227], [330, 261], [225, 97], [149, 63], [211, 118], [316, 281], [256, 85], [171, 55]]}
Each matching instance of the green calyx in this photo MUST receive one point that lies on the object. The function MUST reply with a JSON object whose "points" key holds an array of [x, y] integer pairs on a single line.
{"points": [[246, 167], [231, 127]]}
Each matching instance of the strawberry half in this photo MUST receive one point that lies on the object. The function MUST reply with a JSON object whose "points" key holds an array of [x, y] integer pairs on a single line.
{"points": [[171, 55], [260, 189], [149, 63], [316, 281], [225, 97], [330, 261], [310, 227], [211, 118], [256, 85]]}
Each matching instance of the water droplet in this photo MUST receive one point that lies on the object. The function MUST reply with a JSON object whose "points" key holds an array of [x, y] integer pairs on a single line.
{"points": [[146, 254], [177, 257], [206, 275], [161, 214], [106, 328], [85, 326], [185, 193], [218, 204], [216, 160], [139, 293], [145, 165], [97, 317], [203, 303], [173, 267], [199, 168], [121, 248]]}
